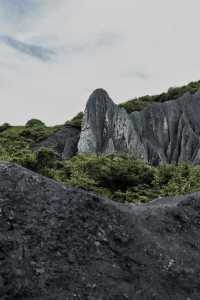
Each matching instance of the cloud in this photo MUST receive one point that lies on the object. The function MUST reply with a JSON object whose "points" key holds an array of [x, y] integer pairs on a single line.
{"points": [[39, 52], [19, 8], [92, 44], [15, 13]]}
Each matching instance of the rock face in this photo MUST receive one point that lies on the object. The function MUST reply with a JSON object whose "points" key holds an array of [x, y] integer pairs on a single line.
{"points": [[64, 142], [161, 133], [104, 126], [59, 243]]}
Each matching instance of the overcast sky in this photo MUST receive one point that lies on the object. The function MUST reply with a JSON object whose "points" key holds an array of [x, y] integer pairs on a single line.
{"points": [[54, 53]]}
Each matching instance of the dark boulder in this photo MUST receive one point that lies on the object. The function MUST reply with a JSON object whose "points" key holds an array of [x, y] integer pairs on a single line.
{"points": [[64, 142], [63, 243]]}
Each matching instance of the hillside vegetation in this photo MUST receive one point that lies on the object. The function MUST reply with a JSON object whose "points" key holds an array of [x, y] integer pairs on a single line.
{"points": [[138, 104], [119, 177]]}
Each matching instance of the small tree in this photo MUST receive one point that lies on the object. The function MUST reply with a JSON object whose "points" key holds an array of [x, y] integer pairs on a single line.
{"points": [[35, 123]]}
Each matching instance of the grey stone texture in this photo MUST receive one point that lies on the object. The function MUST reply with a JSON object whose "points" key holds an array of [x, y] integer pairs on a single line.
{"points": [[64, 142], [59, 243], [160, 133]]}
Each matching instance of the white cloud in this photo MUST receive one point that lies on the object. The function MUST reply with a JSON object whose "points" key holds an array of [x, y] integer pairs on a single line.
{"points": [[130, 48]]}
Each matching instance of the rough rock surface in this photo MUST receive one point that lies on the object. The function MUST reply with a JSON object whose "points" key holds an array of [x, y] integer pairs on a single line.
{"points": [[64, 142], [162, 132], [59, 243]]}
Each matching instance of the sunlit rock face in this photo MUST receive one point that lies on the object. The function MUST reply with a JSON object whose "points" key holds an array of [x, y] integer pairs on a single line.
{"points": [[98, 124], [160, 133], [106, 127]]}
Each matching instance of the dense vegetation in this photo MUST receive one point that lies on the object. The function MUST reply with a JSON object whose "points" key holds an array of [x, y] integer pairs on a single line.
{"points": [[119, 177]]}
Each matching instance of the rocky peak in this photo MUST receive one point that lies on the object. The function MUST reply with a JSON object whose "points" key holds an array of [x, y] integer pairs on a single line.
{"points": [[161, 133], [99, 94], [97, 122]]}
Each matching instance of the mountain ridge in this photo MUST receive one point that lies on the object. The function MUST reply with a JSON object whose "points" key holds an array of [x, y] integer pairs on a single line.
{"points": [[160, 133]]}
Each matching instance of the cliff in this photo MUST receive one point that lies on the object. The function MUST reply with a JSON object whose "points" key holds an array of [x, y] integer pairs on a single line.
{"points": [[160, 133]]}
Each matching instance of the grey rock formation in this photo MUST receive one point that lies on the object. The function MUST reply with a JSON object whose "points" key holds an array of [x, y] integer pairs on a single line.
{"points": [[59, 243], [63, 142], [161, 133]]}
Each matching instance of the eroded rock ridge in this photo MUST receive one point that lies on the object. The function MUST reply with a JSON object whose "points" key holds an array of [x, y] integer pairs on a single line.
{"points": [[160, 133]]}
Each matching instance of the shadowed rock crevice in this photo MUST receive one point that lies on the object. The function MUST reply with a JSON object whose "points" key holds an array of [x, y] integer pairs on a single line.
{"points": [[63, 243], [160, 133]]}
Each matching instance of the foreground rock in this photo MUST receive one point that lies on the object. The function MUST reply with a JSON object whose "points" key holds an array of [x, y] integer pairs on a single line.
{"points": [[160, 133], [63, 243], [64, 142]]}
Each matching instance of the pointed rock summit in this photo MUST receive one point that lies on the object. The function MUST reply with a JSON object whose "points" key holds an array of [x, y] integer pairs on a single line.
{"points": [[161, 133], [105, 126], [97, 123]]}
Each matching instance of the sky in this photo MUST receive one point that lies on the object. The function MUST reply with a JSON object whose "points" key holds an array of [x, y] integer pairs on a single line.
{"points": [[53, 54]]}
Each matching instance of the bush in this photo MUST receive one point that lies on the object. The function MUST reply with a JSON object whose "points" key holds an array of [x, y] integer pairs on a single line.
{"points": [[45, 158], [35, 134], [108, 175], [184, 179], [25, 158], [125, 179], [35, 123]]}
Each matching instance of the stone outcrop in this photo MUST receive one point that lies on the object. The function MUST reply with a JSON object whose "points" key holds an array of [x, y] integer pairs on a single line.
{"points": [[64, 142], [160, 133], [59, 243]]}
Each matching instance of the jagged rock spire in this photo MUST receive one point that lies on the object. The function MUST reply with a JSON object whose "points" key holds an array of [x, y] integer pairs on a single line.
{"points": [[97, 122]]}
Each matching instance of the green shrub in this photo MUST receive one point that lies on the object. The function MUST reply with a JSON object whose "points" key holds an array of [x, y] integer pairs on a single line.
{"points": [[45, 158], [108, 175], [27, 159], [34, 134], [125, 179], [185, 179], [35, 123]]}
